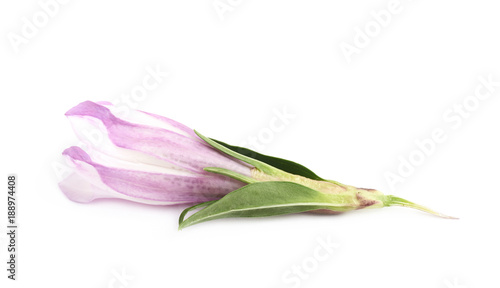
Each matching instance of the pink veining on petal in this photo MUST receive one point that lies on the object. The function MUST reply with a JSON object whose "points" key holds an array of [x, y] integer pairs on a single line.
{"points": [[93, 181], [176, 124], [164, 144], [149, 119]]}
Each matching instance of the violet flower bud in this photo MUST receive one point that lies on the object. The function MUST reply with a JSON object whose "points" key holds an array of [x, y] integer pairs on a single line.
{"points": [[143, 158]]}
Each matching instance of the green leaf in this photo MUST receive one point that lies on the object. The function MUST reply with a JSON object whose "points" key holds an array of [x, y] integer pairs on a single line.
{"points": [[231, 174], [183, 214], [283, 164], [268, 199], [266, 168], [267, 164]]}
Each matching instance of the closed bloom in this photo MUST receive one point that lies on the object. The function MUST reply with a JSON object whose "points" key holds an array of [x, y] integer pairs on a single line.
{"points": [[151, 159], [144, 158]]}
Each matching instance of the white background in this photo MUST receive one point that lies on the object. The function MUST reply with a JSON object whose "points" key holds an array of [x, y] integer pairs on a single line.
{"points": [[228, 77]]}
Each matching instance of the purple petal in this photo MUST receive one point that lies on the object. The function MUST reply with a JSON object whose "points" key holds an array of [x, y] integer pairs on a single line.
{"points": [[93, 181], [181, 150], [150, 119], [188, 131]]}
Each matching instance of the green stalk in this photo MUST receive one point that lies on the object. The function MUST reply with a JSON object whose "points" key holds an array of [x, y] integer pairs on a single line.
{"points": [[391, 200]]}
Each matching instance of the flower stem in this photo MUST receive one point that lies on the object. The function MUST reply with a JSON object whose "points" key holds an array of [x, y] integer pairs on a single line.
{"points": [[391, 200]]}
